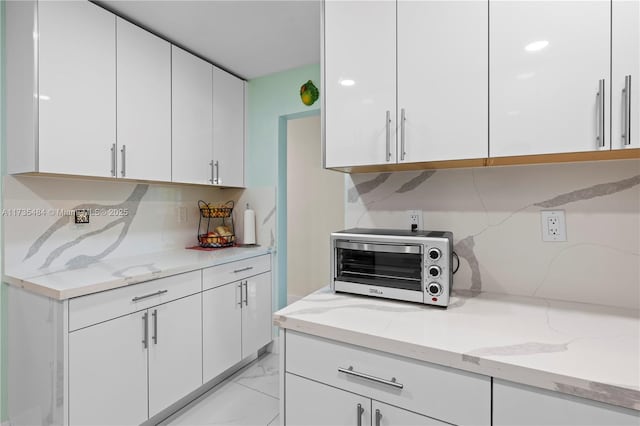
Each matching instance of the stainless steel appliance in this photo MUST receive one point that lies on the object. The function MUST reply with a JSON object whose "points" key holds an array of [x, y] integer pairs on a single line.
{"points": [[396, 264]]}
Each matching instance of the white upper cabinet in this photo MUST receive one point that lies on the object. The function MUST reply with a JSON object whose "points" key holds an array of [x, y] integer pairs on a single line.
{"points": [[228, 128], [625, 68], [143, 104], [360, 82], [192, 127], [442, 80], [549, 88], [76, 89]]}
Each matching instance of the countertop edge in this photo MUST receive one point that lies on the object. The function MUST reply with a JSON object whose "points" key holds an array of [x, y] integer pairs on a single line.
{"points": [[32, 286], [597, 391]]}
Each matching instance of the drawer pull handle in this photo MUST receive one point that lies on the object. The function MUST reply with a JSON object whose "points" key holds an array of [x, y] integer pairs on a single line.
{"points": [[145, 330], [248, 268], [146, 296], [352, 372]]}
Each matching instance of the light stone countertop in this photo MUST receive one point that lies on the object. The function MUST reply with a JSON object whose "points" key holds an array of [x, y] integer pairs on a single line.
{"points": [[591, 351], [108, 274]]}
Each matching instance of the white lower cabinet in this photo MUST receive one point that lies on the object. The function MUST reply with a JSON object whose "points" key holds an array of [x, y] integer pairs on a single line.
{"points": [[424, 389], [515, 404], [175, 351], [236, 322], [339, 407], [256, 313], [130, 363], [313, 403], [222, 326], [108, 369]]}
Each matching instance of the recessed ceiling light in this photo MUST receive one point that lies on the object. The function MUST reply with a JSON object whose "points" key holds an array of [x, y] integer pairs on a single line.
{"points": [[536, 45]]}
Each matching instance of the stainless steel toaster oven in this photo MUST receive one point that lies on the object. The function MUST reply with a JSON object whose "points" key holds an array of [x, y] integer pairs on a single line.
{"points": [[396, 264]]}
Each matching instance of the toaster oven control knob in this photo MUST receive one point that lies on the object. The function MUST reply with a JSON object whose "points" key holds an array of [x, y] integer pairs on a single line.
{"points": [[434, 289], [434, 271], [434, 253]]}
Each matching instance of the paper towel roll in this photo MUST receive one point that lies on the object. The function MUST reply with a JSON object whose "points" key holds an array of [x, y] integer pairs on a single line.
{"points": [[249, 227]]}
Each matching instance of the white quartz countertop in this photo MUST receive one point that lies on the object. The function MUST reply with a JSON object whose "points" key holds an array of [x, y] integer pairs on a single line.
{"points": [[108, 274], [590, 351]]}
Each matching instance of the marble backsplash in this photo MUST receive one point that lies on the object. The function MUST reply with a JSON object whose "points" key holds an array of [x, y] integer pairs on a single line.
{"points": [[129, 218], [494, 214]]}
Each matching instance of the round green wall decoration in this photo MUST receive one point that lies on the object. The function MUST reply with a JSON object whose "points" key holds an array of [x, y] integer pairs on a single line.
{"points": [[309, 93]]}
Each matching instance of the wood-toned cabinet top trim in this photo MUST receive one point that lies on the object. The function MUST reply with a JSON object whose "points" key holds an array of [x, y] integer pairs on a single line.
{"points": [[569, 157]]}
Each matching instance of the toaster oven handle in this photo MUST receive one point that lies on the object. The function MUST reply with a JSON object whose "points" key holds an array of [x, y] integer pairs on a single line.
{"points": [[387, 248]]}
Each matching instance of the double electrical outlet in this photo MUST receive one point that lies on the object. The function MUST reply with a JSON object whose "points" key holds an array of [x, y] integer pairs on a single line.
{"points": [[553, 225]]}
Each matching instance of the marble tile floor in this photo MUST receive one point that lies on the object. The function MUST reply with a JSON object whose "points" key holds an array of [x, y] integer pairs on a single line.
{"points": [[248, 398]]}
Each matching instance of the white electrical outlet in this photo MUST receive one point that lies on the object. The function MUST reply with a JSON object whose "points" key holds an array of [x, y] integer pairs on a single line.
{"points": [[554, 227], [415, 218]]}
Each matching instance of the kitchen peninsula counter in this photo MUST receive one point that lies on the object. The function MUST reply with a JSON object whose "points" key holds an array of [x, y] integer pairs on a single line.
{"points": [[590, 351], [107, 274]]}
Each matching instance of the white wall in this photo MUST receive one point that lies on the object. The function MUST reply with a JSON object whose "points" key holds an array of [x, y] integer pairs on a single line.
{"points": [[315, 208], [494, 214]]}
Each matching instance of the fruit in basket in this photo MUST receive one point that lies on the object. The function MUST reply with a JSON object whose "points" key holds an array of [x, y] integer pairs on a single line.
{"points": [[212, 234], [224, 231]]}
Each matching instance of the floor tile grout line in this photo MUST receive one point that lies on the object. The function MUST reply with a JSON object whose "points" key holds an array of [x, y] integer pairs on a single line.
{"points": [[273, 419], [259, 391]]}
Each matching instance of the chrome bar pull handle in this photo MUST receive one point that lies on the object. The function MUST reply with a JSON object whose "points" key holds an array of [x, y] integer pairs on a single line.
{"points": [[145, 332], [403, 119], [626, 126], [155, 327], [378, 417], [246, 293], [601, 106], [217, 178], [359, 411], [146, 296], [350, 371], [248, 268], [388, 130], [240, 287], [212, 180], [123, 153], [113, 160]]}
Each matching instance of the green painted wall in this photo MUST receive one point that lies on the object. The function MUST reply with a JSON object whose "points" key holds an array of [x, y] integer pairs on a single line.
{"points": [[274, 99], [271, 97]]}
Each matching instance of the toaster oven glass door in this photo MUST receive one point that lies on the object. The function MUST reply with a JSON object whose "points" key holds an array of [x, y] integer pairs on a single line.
{"points": [[385, 265]]}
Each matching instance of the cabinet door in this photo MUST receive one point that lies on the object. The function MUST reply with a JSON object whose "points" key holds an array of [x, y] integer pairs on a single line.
{"points": [[228, 128], [221, 329], [108, 373], [360, 82], [312, 403], [192, 118], [388, 415], [443, 87], [515, 404], [144, 104], [625, 63], [77, 88], [256, 313], [547, 58], [175, 351]]}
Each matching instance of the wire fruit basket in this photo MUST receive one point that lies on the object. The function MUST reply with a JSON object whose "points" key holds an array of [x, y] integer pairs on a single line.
{"points": [[215, 228]]}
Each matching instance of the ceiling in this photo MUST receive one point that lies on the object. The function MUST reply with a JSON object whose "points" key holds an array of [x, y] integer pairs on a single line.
{"points": [[249, 38]]}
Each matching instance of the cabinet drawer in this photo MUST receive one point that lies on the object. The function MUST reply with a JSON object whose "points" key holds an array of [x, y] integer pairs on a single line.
{"points": [[88, 310], [234, 271], [443, 393]]}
